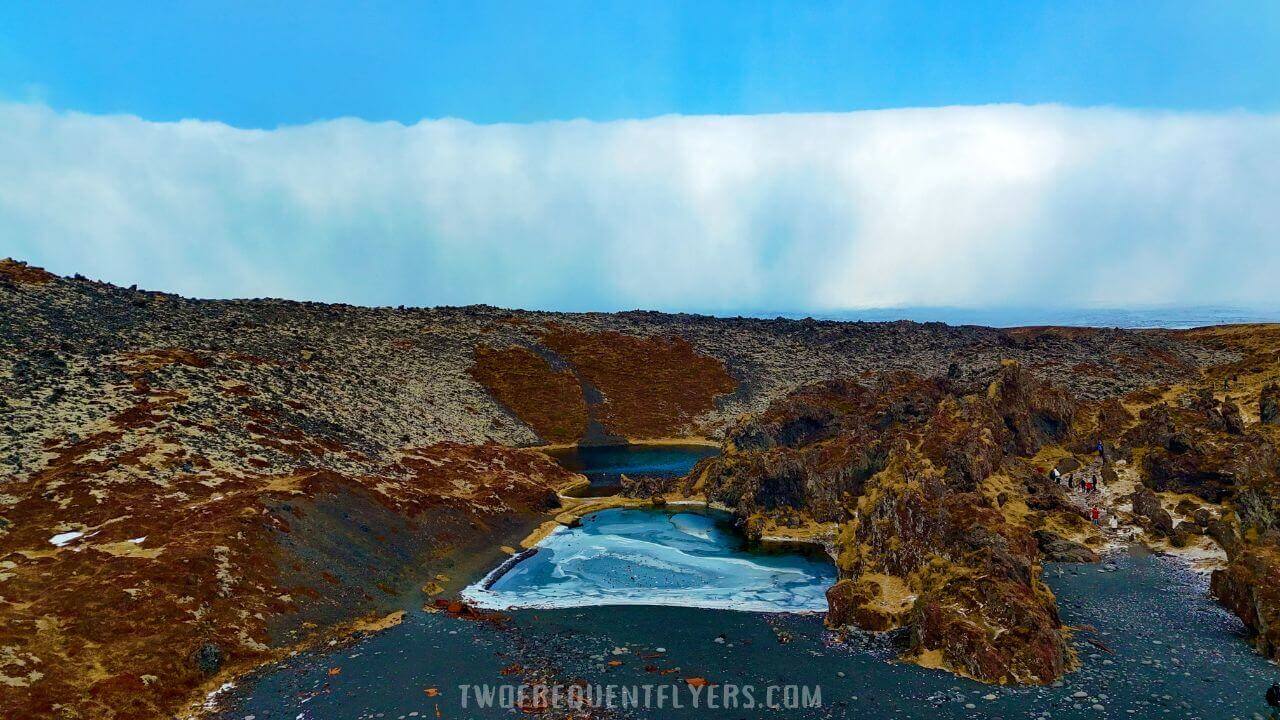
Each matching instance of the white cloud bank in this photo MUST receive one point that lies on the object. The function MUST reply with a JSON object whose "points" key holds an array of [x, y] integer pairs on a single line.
{"points": [[962, 206]]}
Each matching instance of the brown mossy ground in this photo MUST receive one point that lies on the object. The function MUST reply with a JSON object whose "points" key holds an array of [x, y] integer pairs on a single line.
{"points": [[605, 385], [252, 474], [549, 400], [19, 272], [649, 387], [188, 564]]}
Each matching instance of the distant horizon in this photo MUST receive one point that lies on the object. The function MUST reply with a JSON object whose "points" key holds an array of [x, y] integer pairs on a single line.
{"points": [[1163, 317]]}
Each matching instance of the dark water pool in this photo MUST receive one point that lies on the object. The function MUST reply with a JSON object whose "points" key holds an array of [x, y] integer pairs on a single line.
{"points": [[1174, 654], [605, 465]]}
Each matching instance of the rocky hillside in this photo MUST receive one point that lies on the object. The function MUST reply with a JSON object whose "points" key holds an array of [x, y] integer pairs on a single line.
{"points": [[187, 487], [941, 502]]}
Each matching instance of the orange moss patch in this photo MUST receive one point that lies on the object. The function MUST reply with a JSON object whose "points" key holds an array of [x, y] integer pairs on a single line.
{"points": [[24, 274], [652, 387], [547, 400], [150, 360]]}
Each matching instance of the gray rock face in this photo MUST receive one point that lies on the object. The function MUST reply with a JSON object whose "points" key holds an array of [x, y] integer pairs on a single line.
{"points": [[208, 658], [1146, 504], [1269, 405], [1056, 548]]}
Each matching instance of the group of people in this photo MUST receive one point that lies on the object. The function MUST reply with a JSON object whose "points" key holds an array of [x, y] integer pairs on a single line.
{"points": [[1091, 484]]}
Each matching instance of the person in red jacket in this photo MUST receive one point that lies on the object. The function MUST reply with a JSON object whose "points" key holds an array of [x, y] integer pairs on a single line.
{"points": [[1095, 514]]}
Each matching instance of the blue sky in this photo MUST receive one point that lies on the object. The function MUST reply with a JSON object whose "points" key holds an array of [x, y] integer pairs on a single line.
{"points": [[263, 64], [705, 156]]}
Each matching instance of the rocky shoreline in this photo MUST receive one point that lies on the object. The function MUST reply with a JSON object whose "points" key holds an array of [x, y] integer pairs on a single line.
{"points": [[225, 479]]}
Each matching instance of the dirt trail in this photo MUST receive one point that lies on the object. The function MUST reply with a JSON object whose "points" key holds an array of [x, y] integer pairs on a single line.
{"points": [[1116, 522]]}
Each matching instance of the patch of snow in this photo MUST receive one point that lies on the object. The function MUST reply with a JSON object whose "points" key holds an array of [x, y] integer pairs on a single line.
{"points": [[63, 538], [211, 700]]}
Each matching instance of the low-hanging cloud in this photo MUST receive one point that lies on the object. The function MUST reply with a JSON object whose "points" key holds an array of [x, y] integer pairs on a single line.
{"points": [[963, 206]]}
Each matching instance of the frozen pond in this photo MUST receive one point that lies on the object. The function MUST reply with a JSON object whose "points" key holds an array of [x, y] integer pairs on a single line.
{"points": [[1173, 653], [652, 557]]}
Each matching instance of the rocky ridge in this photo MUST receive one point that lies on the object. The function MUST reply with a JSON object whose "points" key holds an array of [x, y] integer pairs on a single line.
{"points": [[944, 492], [187, 487]]}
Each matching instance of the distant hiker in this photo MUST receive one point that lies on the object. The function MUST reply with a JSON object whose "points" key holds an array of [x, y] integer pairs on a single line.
{"points": [[1095, 514], [1112, 522], [1225, 385], [1102, 452], [1055, 476]]}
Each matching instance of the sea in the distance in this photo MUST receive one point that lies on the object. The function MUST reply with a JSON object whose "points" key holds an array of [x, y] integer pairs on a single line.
{"points": [[1174, 318]]}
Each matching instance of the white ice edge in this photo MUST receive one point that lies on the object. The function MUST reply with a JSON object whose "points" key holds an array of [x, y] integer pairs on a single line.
{"points": [[479, 597], [483, 599], [480, 584]]}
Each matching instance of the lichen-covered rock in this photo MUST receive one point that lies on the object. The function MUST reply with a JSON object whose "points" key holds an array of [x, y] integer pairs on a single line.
{"points": [[1250, 587], [1056, 548], [1201, 447], [902, 460], [1001, 632], [814, 450], [1146, 505], [935, 540], [1269, 405], [1223, 533], [864, 604]]}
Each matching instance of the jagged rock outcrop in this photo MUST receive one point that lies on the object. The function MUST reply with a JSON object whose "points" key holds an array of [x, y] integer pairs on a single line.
{"points": [[1055, 548], [935, 541], [1250, 587], [249, 473], [814, 450], [1269, 405], [1201, 447], [902, 460]]}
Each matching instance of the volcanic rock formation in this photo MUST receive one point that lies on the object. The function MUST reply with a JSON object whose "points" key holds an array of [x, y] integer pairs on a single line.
{"points": [[189, 488]]}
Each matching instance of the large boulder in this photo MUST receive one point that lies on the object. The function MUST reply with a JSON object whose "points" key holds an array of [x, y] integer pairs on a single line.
{"points": [[861, 604], [1147, 505], [1269, 405], [1223, 533], [1250, 587], [996, 632], [1056, 548]]}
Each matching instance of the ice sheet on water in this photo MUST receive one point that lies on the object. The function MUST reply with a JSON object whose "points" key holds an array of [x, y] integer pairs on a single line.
{"points": [[638, 557]]}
